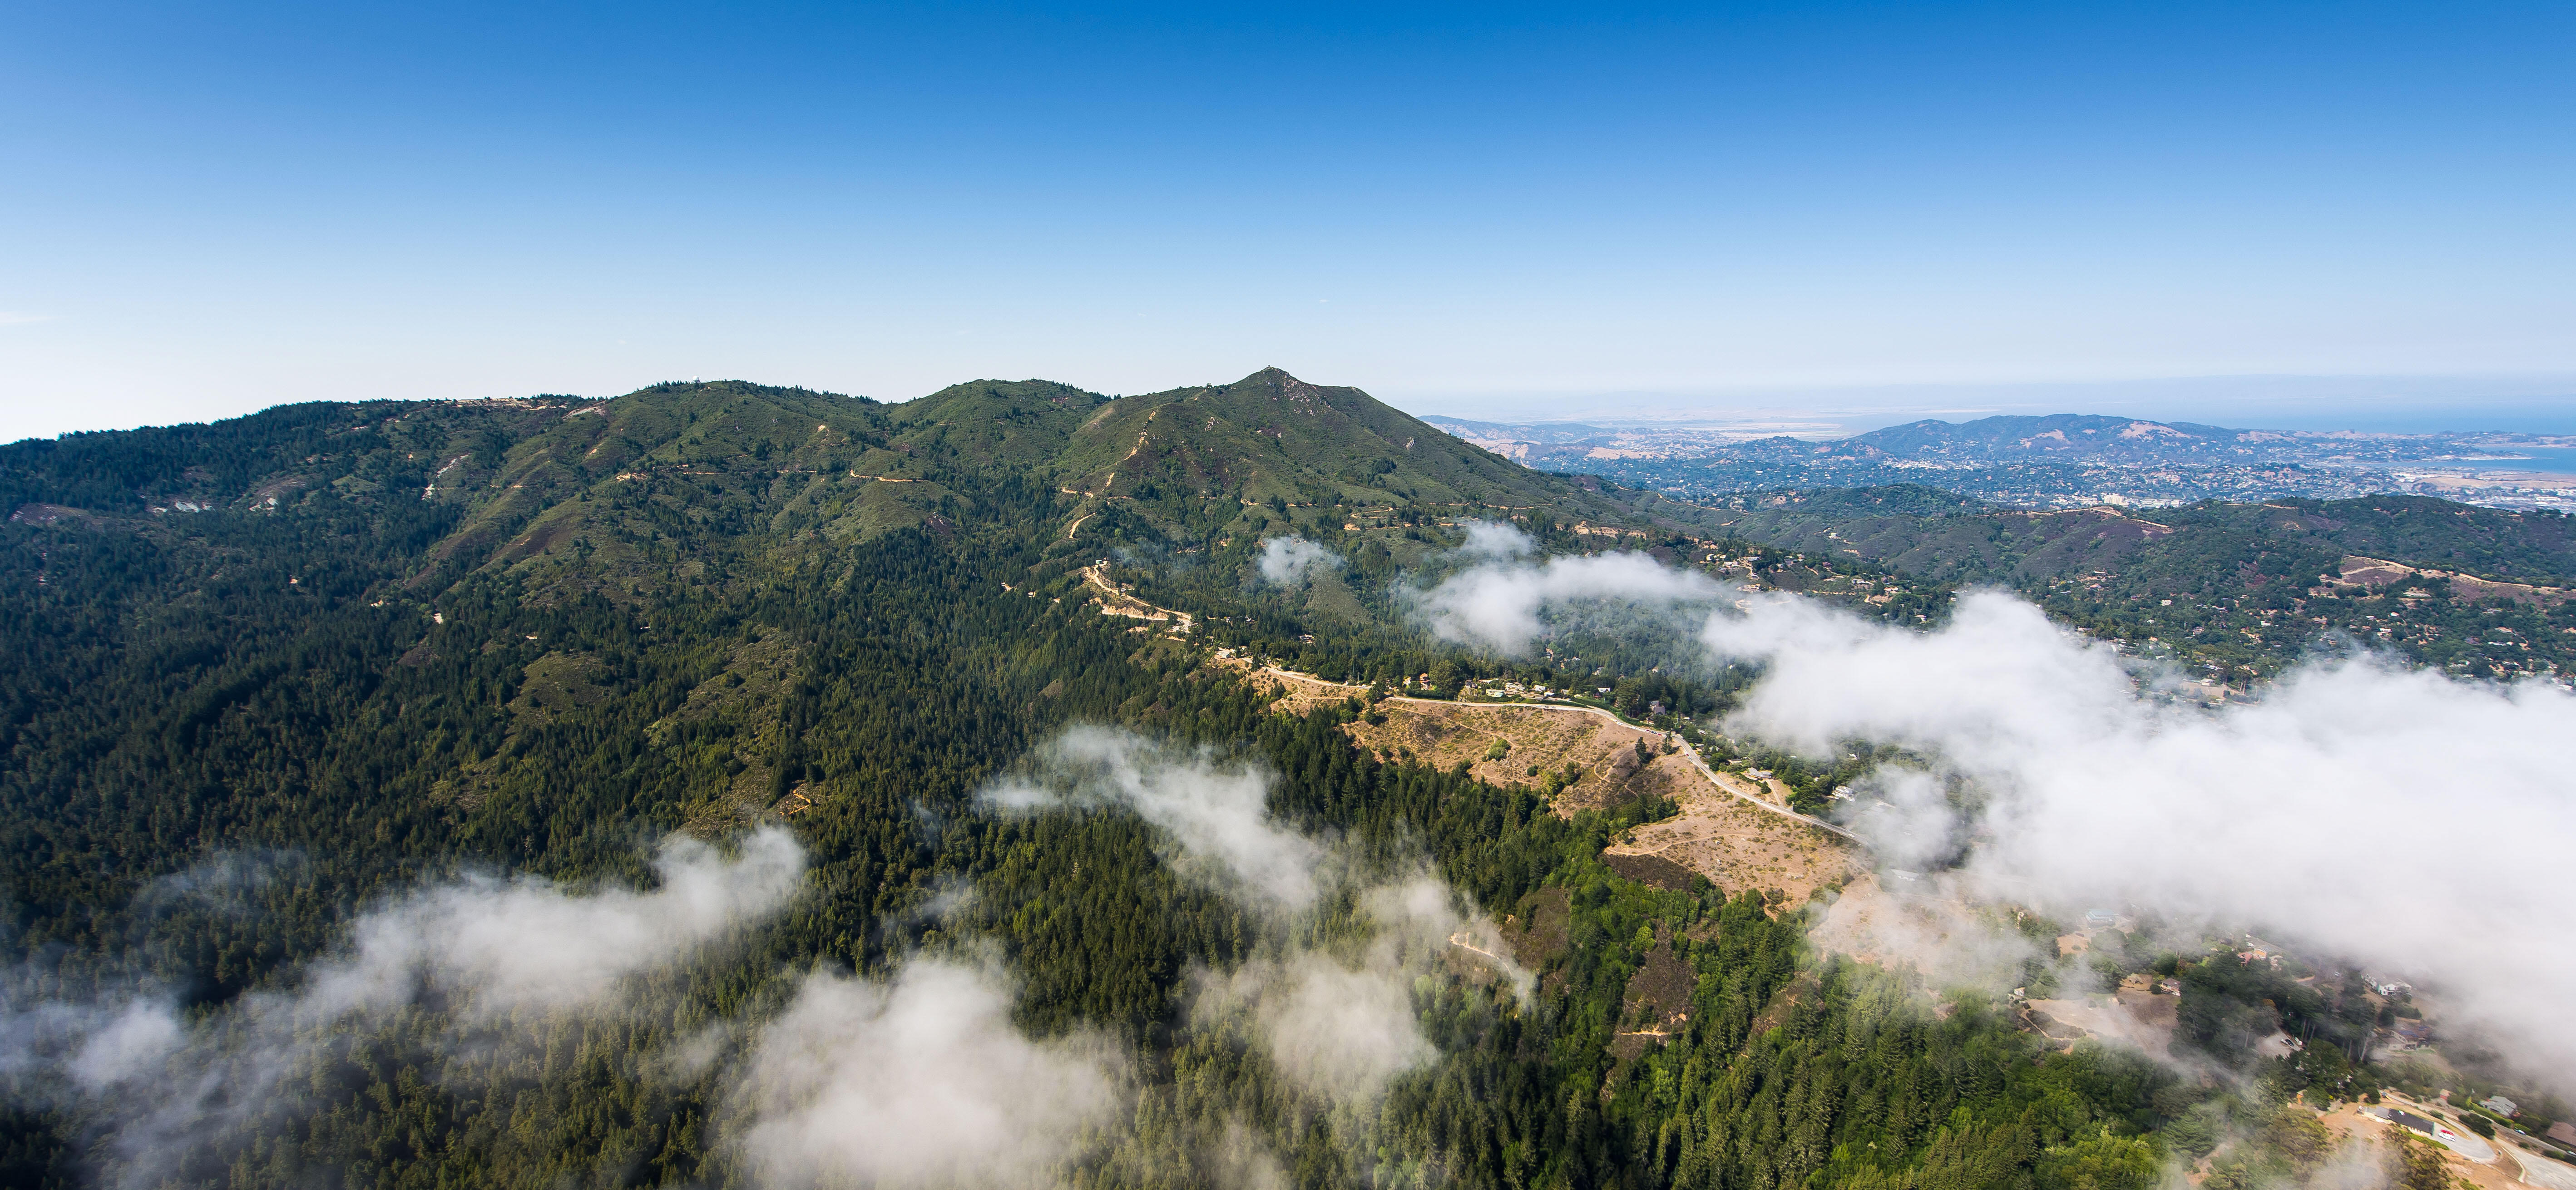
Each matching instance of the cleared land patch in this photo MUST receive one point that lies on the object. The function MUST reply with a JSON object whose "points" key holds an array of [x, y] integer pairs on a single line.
{"points": [[1739, 846], [1114, 600], [2136, 1018], [1720, 832], [1950, 941], [1719, 835]]}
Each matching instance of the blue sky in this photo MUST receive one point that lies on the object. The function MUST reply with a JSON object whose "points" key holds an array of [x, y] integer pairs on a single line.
{"points": [[1480, 210]]}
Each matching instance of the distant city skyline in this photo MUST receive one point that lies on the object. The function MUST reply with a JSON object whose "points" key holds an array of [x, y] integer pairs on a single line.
{"points": [[2286, 215]]}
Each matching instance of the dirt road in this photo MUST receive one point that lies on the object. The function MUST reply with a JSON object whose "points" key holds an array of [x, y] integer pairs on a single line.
{"points": [[1704, 835], [1115, 602]]}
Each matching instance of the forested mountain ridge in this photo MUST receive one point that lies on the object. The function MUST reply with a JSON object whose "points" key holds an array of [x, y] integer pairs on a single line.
{"points": [[1268, 451], [695, 488], [269, 674]]}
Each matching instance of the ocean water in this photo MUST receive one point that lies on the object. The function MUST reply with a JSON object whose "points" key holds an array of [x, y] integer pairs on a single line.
{"points": [[2559, 460]]}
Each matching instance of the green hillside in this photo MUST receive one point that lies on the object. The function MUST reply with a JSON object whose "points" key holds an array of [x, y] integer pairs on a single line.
{"points": [[1271, 434], [671, 484], [1269, 452]]}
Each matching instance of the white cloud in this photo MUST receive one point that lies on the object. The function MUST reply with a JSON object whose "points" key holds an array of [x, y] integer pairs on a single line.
{"points": [[1831, 675], [2394, 817], [126, 1045], [1215, 814], [2391, 817], [166, 1091], [1949, 940], [91, 1047], [1284, 561], [1495, 604], [1496, 540], [1905, 814], [1340, 1022], [1337, 1019], [918, 1081], [527, 944], [1333, 1030]]}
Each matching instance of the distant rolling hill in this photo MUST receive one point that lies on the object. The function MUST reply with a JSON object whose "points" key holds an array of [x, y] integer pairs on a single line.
{"points": [[2072, 437], [2062, 437]]}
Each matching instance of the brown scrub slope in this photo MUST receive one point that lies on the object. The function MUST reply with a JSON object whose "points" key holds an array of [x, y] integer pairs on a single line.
{"points": [[1732, 829], [1718, 834]]}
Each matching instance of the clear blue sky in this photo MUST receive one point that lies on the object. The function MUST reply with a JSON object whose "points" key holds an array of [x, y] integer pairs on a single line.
{"points": [[204, 209]]}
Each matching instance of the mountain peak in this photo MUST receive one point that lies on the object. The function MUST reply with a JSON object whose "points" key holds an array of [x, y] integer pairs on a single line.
{"points": [[1276, 379]]}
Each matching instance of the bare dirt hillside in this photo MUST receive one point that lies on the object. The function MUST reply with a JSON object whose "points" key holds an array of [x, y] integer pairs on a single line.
{"points": [[1718, 834], [1731, 829]]}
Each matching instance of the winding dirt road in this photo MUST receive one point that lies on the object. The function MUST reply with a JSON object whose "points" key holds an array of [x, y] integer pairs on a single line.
{"points": [[1119, 603]]}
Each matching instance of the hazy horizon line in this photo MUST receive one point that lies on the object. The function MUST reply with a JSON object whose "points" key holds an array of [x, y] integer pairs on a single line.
{"points": [[2534, 403]]}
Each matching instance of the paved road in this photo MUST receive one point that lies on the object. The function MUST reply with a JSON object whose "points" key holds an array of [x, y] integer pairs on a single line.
{"points": [[2542, 1172], [2442, 1133]]}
